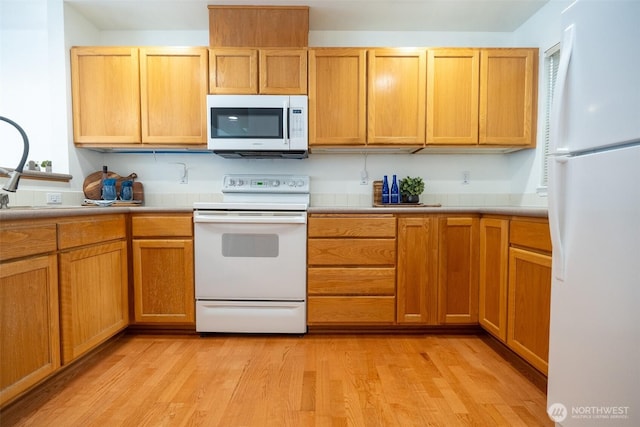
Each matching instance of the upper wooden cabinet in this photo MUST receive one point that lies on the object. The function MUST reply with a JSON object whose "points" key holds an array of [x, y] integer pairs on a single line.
{"points": [[105, 88], [482, 96], [337, 96], [360, 97], [456, 96], [173, 89], [258, 26], [233, 71], [132, 96], [396, 96], [253, 71], [452, 96], [508, 96]]}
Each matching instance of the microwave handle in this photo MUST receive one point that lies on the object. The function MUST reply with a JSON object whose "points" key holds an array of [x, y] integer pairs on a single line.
{"points": [[285, 123]]}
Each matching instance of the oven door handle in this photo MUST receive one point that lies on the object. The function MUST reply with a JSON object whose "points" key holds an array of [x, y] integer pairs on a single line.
{"points": [[257, 219]]}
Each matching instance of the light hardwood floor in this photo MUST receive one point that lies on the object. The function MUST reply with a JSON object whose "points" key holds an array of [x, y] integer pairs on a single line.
{"points": [[311, 380]]}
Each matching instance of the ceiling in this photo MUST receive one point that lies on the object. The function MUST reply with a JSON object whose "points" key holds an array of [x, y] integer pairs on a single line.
{"points": [[324, 15]]}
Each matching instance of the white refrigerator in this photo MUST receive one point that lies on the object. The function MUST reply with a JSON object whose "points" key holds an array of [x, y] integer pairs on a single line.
{"points": [[594, 214]]}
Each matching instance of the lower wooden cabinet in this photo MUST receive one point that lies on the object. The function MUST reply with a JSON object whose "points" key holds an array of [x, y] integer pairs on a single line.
{"points": [[417, 297], [29, 330], [351, 270], [515, 285], [458, 270], [494, 259], [163, 269], [93, 281], [93, 296], [529, 306]]}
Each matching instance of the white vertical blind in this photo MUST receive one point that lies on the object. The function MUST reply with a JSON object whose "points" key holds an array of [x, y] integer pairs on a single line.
{"points": [[552, 59]]}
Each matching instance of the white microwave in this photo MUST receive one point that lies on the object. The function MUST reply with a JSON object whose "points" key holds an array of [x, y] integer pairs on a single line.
{"points": [[258, 126]]}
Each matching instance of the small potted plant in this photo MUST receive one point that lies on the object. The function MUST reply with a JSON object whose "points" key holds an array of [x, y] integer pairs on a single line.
{"points": [[411, 189], [46, 164]]}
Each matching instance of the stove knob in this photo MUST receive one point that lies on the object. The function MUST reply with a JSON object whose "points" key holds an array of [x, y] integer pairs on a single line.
{"points": [[291, 183], [300, 183], [231, 182], [240, 183], [275, 183]]}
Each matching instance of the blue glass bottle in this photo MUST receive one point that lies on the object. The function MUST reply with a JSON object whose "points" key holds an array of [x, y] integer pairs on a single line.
{"points": [[395, 194], [385, 190]]}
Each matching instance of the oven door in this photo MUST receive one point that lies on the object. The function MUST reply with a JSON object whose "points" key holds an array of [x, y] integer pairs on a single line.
{"points": [[252, 256]]}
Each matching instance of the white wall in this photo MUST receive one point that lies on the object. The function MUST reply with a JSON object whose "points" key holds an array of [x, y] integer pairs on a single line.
{"points": [[542, 30], [494, 177], [32, 84]]}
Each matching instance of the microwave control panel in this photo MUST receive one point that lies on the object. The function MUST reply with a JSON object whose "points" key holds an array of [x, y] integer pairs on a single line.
{"points": [[297, 119]]}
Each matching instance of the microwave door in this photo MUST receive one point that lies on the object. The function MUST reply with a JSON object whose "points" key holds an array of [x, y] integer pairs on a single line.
{"points": [[262, 128]]}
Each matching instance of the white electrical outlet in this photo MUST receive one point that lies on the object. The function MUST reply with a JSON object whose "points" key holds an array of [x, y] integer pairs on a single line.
{"points": [[54, 198], [364, 177], [465, 177]]}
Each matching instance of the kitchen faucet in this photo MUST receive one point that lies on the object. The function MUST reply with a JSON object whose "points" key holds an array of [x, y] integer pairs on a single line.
{"points": [[14, 176]]}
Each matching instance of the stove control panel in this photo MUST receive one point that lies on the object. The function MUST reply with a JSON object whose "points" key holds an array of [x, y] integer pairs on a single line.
{"points": [[248, 183]]}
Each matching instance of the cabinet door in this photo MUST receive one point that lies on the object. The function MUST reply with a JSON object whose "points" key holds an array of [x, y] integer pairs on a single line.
{"points": [[337, 97], [174, 89], [105, 89], [93, 296], [529, 306], [417, 270], [458, 270], [233, 71], [283, 71], [508, 96], [397, 96], [163, 281], [494, 258], [452, 96], [29, 330]]}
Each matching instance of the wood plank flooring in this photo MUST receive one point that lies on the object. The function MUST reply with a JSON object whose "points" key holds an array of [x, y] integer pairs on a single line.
{"points": [[311, 380]]}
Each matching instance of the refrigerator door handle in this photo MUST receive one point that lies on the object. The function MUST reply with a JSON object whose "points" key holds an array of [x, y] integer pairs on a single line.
{"points": [[556, 145], [557, 214]]}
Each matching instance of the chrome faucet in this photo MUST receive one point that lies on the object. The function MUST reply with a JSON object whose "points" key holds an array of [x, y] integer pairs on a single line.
{"points": [[14, 176]]}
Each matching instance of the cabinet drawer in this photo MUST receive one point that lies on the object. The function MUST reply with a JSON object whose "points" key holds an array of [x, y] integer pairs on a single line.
{"points": [[89, 230], [351, 281], [530, 234], [351, 252], [162, 225], [25, 240], [341, 310], [352, 226]]}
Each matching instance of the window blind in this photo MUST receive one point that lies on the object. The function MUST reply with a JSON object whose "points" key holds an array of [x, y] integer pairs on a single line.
{"points": [[552, 59]]}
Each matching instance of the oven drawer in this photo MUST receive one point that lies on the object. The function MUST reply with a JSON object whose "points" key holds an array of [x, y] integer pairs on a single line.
{"points": [[251, 316], [344, 310]]}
